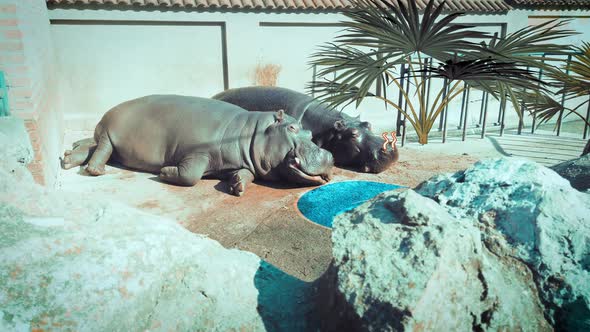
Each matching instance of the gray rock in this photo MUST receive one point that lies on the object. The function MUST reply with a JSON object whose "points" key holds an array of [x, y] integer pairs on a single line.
{"points": [[81, 263], [404, 263], [576, 171], [504, 245], [545, 221]]}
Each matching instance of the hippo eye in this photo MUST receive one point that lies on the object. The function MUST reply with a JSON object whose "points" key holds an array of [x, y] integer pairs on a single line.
{"points": [[293, 128]]}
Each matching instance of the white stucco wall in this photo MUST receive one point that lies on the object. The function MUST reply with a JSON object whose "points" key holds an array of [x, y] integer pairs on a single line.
{"points": [[103, 65]]}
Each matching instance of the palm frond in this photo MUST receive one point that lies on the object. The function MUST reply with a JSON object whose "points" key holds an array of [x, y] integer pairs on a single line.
{"points": [[398, 29], [350, 67], [485, 70], [527, 46]]}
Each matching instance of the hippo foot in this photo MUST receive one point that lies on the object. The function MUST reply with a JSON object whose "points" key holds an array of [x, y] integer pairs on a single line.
{"points": [[237, 189], [95, 171], [66, 161], [168, 173], [238, 181]]}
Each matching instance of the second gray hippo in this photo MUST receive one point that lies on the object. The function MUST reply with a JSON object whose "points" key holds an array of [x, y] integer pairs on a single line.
{"points": [[350, 140], [185, 138]]}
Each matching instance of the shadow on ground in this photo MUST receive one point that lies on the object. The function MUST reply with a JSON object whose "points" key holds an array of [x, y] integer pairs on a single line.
{"points": [[285, 303]]}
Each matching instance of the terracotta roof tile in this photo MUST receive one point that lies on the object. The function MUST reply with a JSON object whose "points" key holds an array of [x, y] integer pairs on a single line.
{"points": [[454, 5], [552, 3]]}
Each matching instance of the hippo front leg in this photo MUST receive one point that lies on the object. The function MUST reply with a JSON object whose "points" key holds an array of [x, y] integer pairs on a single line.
{"points": [[188, 172], [238, 181]]}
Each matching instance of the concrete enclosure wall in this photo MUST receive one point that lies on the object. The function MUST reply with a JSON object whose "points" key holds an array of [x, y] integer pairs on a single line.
{"points": [[101, 65], [108, 56], [80, 62], [26, 57]]}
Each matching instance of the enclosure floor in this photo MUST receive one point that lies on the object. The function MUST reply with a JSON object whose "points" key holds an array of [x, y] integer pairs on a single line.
{"points": [[265, 220], [544, 149]]}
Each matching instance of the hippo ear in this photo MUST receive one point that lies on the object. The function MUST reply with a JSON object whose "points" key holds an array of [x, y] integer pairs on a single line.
{"points": [[280, 116], [339, 125], [366, 124]]}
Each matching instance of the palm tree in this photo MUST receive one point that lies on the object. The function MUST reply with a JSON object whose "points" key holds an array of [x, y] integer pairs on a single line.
{"points": [[381, 35], [574, 85]]}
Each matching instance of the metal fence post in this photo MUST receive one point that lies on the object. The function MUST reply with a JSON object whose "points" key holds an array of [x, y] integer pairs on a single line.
{"points": [[314, 79], [483, 103], [466, 109], [485, 115], [398, 121], [503, 106], [444, 95], [587, 120], [462, 105], [538, 86], [500, 117], [522, 109], [406, 108], [520, 121], [428, 86], [567, 71]]}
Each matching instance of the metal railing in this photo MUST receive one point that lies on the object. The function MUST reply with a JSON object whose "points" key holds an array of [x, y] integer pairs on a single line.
{"points": [[484, 111]]}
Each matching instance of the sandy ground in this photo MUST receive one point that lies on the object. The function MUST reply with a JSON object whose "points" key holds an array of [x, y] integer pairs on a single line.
{"points": [[265, 220]]}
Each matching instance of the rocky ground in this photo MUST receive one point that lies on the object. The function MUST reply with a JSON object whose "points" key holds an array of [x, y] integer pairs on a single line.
{"points": [[502, 245], [265, 220]]}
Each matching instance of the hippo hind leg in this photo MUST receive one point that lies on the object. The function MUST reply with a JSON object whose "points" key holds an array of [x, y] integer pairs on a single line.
{"points": [[86, 142], [238, 181], [101, 155], [77, 157], [188, 172]]}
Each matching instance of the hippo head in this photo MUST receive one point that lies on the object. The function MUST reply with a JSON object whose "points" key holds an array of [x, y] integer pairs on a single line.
{"points": [[292, 153], [354, 144]]}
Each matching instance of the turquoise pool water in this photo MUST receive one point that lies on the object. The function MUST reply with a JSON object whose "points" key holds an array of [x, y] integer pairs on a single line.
{"points": [[322, 204]]}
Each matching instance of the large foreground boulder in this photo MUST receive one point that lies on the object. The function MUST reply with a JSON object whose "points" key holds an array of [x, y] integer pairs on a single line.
{"points": [[503, 245], [86, 264], [576, 171]]}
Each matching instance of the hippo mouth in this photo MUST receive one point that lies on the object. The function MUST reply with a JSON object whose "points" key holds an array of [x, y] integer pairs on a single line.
{"points": [[296, 168]]}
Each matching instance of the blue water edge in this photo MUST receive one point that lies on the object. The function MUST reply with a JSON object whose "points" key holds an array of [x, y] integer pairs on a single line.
{"points": [[322, 204]]}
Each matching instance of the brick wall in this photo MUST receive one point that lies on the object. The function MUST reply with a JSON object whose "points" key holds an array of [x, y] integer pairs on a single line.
{"points": [[27, 59]]}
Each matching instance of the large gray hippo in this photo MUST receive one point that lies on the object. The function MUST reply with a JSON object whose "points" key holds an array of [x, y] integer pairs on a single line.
{"points": [[185, 138], [350, 140]]}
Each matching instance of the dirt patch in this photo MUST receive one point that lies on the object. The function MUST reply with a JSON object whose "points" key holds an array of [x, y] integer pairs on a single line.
{"points": [[265, 220], [148, 205]]}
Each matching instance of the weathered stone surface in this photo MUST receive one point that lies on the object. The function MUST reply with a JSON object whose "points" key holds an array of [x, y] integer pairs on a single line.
{"points": [[16, 151], [404, 263], [81, 263], [544, 220], [504, 245], [576, 171]]}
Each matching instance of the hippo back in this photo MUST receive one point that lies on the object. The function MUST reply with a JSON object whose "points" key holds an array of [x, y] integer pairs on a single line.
{"points": [[268, 99], [154, 131]]}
